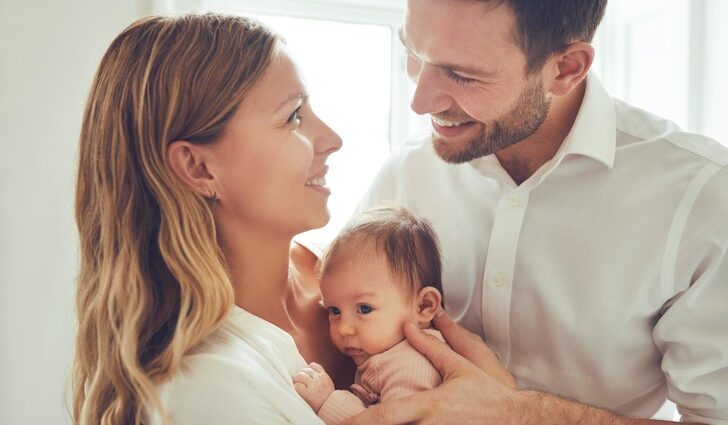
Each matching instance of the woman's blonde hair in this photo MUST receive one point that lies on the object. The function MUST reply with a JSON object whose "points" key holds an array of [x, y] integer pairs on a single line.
{"points": [[153, 282]]}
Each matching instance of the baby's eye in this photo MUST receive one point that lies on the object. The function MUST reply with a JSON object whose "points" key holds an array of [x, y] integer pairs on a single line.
{"points": [[334, 311], [364, 309]]}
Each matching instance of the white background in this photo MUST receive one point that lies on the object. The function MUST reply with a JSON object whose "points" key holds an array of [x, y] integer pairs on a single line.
{"points": [[49, 51]]}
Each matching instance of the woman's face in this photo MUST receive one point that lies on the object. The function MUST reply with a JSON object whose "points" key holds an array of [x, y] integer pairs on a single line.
{"points": [[270, 164]]}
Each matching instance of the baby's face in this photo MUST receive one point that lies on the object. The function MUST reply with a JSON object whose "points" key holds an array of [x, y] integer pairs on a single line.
{"points": [[367, 307]]}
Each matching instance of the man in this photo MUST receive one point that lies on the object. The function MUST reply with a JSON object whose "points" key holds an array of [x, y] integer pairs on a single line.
{"points": [[583, 239]]}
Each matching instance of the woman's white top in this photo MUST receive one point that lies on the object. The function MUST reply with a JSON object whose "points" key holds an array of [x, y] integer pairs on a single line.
{"points": [[242, 374]]}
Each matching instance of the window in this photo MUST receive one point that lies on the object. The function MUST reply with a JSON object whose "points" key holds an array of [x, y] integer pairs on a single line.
{"points": [[665, 56]]}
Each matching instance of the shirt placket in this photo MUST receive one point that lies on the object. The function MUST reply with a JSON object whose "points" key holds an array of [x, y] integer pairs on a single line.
{"points": [[499, 270]]}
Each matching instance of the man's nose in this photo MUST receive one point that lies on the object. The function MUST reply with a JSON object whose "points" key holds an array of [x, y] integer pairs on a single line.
{"points": [[430, 97]]}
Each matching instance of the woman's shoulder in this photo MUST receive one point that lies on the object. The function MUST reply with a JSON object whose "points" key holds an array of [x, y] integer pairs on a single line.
{"points": [[235, 376]]}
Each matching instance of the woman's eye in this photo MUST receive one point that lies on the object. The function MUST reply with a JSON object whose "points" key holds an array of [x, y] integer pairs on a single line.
{"points": [[364, 309], [458, 79], [295, 116], [334, 311]]}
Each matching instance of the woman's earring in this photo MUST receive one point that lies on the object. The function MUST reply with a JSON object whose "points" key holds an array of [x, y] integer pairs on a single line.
{"points": [[211, 197]]}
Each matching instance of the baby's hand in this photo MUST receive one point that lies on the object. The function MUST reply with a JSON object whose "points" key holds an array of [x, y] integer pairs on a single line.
{"points": [[314, 385]]}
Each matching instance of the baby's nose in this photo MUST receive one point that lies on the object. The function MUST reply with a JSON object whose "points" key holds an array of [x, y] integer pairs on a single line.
{"points": [[346, 328]]}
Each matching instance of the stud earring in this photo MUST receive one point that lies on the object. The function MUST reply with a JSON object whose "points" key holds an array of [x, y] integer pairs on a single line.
{"points": [[210, 196]]}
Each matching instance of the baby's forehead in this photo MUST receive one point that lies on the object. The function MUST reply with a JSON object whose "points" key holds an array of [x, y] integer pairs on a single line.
{"points": [[338, 287]]}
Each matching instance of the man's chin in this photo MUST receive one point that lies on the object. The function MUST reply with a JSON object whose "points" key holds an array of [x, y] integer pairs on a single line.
{"points": [[454, 152]]}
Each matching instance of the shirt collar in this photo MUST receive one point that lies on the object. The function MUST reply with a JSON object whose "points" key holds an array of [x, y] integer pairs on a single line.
{"points": [[594, 131], [593, 135]]}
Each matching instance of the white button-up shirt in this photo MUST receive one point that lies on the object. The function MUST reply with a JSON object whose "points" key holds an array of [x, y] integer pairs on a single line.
{"points": [[604, 276]]}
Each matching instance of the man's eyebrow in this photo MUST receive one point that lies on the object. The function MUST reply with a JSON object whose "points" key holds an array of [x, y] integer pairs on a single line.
{"points": [[465, 69], [300, 96]]}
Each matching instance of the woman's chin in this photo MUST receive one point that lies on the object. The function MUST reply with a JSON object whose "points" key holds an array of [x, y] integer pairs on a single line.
{"points": [[322, 220], [314, 222]]}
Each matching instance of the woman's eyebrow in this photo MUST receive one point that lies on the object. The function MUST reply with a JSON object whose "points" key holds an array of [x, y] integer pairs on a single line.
{"points": [[301, 97]]}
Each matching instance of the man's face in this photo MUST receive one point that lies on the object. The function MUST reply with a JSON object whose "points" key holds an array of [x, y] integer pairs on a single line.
{"points": [[470, 76]]}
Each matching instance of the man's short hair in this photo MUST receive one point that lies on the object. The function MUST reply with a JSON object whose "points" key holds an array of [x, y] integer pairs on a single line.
{"points": [[545, 27], [408, 243]]}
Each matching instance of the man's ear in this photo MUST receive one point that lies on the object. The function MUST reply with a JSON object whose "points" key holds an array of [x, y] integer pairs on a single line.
{"points": [[572, 66], [187, 162], [428, 304]]}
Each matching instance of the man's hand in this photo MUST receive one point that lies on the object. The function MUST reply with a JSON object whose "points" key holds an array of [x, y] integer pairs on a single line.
{"points": [[476, 388], [472, 347], [314, 385]]}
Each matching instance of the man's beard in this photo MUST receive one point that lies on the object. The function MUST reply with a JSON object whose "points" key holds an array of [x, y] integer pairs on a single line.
{"points": [[517, 124]]}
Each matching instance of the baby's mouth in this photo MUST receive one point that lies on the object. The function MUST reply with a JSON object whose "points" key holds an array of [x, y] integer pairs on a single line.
{"points": [[351, 352]]}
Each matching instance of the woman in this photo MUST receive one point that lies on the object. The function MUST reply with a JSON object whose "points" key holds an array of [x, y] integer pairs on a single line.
{"points": [[200, 159]]}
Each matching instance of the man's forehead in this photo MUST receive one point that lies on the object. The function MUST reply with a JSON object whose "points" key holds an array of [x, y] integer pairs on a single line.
{"points": [[471, 22]]}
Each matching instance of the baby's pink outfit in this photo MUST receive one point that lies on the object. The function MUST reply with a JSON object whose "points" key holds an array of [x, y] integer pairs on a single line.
{"points": [[395, 373]]}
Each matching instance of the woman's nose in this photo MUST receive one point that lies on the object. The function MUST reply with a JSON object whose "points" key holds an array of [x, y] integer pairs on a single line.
{"points": [[327, 141]]}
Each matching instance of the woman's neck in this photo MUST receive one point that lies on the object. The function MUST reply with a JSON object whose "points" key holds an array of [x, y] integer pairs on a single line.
{"points": [[258, 266]]}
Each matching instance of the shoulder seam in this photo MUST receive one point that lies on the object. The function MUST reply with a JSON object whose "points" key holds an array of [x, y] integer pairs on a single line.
{"points": [[679, 221]]}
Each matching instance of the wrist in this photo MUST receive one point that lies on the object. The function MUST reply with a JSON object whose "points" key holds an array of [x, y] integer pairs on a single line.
{"points": [[321, 401]]}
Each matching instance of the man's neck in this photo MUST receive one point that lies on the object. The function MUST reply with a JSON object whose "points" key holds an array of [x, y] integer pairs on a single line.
{"points": [[524, 158]]}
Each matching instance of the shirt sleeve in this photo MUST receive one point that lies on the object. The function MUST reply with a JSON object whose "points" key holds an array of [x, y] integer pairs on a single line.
{"points": [[406, 372], [692, 332], [339, 406]]}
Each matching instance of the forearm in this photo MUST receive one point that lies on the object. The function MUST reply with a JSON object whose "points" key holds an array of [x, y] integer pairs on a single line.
{"points": [[543, 409]]}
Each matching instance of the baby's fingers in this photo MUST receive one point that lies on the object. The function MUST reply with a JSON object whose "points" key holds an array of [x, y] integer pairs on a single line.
{"points": [[317, 367], [302, 378], [300, 388]]}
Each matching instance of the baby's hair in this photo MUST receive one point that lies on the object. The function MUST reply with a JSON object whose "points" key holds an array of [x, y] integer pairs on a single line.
{"points": [[408, 242]]}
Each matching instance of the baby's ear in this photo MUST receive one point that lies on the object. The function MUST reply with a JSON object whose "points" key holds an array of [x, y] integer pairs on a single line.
{"points": [[428, 304]]}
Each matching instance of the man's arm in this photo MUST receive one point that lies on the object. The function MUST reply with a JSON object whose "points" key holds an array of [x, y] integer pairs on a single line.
{"points": [[477, 390]]}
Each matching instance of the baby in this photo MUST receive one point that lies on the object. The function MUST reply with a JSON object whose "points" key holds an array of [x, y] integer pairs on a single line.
{"points": [[381, 271]]}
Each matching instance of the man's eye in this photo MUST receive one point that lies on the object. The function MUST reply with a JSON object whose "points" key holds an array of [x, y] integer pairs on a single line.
{"points": [[458, 79], [364, 309], [334, 311]]}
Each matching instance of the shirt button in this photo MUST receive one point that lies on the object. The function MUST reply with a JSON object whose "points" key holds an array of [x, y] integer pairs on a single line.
{"points": [[498, 281], [513, 200]]}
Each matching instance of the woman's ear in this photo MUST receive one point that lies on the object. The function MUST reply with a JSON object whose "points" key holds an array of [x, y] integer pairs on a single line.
{"points": [[428, 304], [572, 65], [187, 162]]}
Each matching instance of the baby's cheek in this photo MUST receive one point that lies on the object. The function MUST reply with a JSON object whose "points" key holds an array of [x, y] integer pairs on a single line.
{"points": [[334, 336], [390, 337]]}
